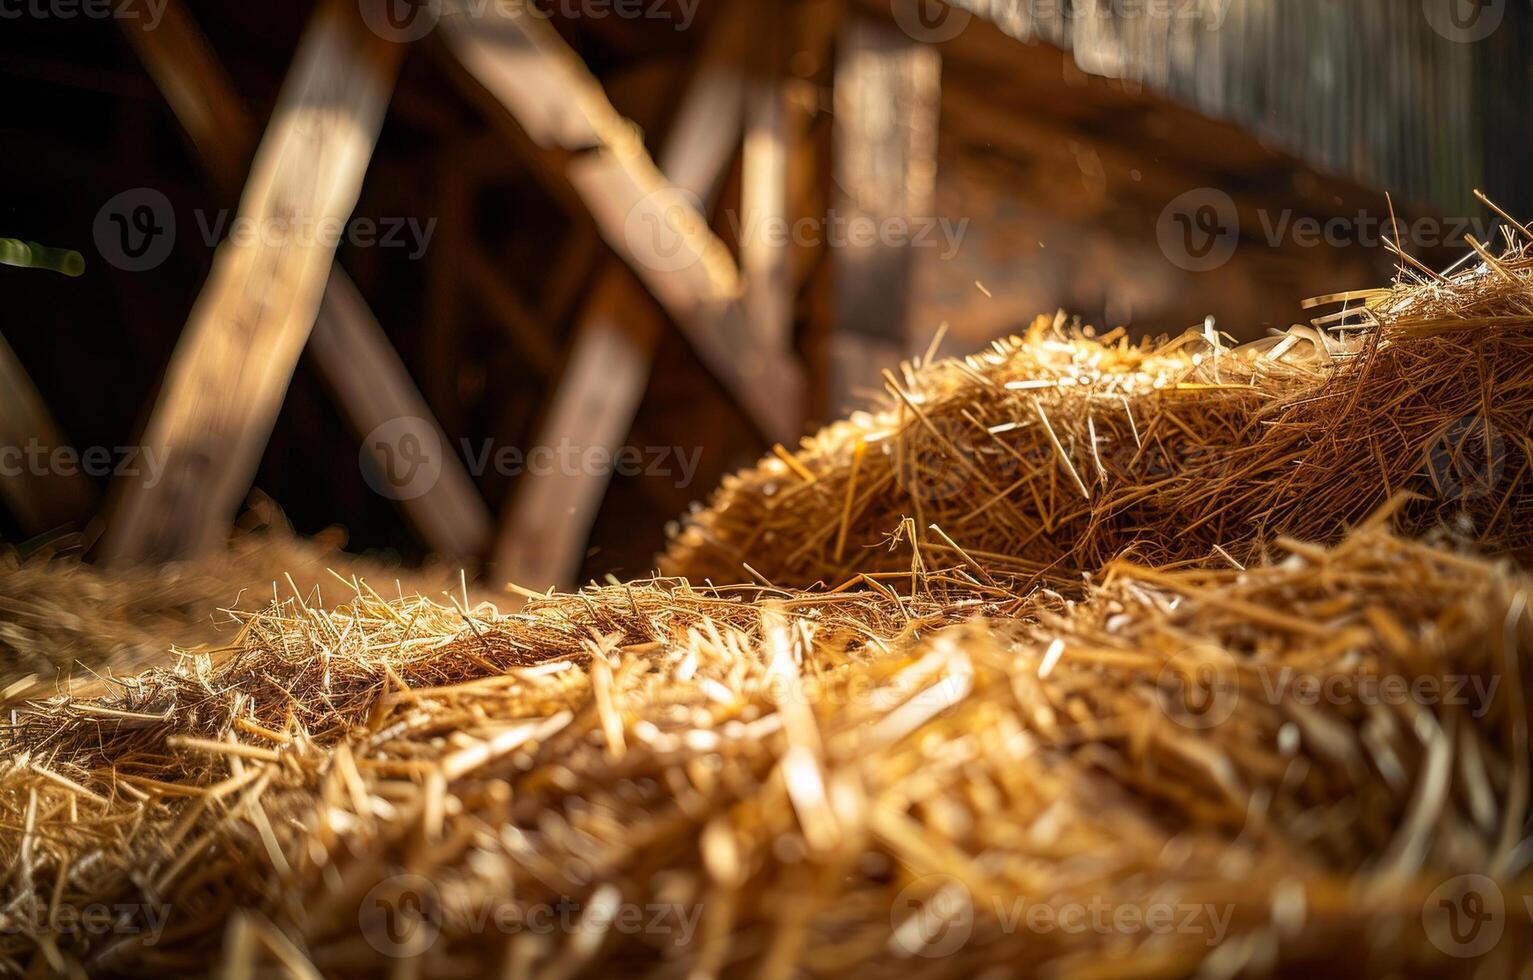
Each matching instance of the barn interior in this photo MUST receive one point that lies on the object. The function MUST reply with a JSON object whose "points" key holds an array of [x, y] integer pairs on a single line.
{"points": [[409, 408]]}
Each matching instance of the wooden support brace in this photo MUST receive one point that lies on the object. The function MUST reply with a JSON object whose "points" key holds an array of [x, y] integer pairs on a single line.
{"points": [[519, 61], [350, 349], [230, 371], [543, 538], [40, 493]]}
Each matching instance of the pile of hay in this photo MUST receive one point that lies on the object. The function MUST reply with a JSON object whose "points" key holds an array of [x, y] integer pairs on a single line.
{"points": [[656, 778], [1220, 750], [63, 622], [1051, 454]]}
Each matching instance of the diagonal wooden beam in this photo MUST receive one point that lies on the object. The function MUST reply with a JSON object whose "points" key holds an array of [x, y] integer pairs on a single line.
{"points": [[192, 80], [517, 61], [230, 371], [41, 493], [549, 519], [350, 348]]}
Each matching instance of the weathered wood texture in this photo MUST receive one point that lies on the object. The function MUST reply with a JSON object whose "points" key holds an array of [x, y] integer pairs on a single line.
{"points": [[350, 349], [519, 61], [40, 493], [887, 92], [1373, 90], [549, 520], [764, 259], [227, 378]]}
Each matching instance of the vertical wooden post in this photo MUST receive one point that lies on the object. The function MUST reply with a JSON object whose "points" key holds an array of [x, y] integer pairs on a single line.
{"points": [[765, 225], [887, 94]]}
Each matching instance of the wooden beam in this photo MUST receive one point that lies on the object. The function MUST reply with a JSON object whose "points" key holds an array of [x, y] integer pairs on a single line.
{"points": [[887, 92], [548, 522], [765, 258], [371, 384], [200, 93], [519, 61], [230, 371], [41, 493], [350, 348]]}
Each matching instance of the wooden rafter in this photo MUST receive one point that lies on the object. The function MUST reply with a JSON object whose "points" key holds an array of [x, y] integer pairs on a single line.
{"points": [[193, 81], [232, 366], [518, 62], [543, 538], [40, 493], [349, 347]]}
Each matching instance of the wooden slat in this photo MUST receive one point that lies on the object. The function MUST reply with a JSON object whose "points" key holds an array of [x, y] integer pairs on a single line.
{"points": [[230, 371], [350, 349], [543, 539], [40, 501], [193, 81], [887, 91], [520, 61], [373, 387], [766, 260]]}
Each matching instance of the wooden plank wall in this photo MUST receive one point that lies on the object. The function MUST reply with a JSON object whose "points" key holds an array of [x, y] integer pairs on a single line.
{"points": [[1379, 91]]}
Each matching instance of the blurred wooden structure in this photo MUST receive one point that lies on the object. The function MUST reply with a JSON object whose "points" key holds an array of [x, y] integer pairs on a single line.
{"points": [[639, 220], [1368, 89]]}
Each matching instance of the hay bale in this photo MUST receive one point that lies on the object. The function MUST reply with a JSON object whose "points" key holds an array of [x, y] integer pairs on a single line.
{"points": [[657, 778], [1051, 454]]}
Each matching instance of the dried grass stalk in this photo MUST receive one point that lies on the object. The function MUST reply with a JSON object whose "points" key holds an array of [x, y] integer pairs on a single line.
{"points": [[655, 778], [1051, 454], [63, 622]]}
